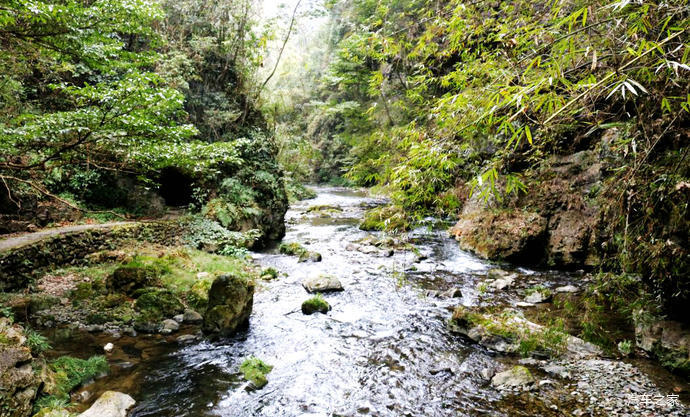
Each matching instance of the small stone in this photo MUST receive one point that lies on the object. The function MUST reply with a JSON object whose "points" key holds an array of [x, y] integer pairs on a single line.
{"points": [[487, 373], [546, 382], [567, 288], [192, 317], [170, 326], [452, 293], [537, 297], [322, 283], [108, 347], [94, 328], [516, 377], [202, 275], [179, 318], [502, 283], [186, 339], [388, 253]]}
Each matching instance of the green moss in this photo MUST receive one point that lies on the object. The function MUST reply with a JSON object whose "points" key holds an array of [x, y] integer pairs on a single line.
{"points": [[315, 304], [543, 341], [197, 296], [255, 371], [324, 208], [72, 372], [156, 303], [269, 273]]}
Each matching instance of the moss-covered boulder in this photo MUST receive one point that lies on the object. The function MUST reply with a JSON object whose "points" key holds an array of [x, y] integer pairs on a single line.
{"points": [[230, 301], [156, 303], [390, 218], [127, 279], [18, 381], [315, 304]]}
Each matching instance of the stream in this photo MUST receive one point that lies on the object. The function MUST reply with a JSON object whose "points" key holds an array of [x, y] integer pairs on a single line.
{"points": [[383, 350]]}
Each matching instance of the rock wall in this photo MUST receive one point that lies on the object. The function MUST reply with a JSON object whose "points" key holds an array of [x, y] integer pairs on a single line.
{"points": [[555, 224], [20, 265]]}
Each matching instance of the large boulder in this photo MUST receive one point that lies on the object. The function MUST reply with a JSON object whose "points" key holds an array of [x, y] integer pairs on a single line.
{"points": [[18, 382], [110, 404], [230, 302], [517, 377], [507, 235]]}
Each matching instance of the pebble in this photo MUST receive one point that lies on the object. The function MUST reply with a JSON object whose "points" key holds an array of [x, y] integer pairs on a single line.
{"points": [[108, 347]]}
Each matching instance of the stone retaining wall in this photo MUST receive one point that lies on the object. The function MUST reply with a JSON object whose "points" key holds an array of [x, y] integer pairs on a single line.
{"points": [[20, 265]]}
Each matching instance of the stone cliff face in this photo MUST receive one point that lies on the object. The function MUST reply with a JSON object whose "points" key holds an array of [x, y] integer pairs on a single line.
{"points": [[555, 224]]}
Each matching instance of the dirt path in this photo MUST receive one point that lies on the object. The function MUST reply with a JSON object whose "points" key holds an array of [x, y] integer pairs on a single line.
{"points": [[28, 238]]}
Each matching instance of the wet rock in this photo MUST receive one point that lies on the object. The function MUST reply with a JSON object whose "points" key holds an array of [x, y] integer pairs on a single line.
{"points": [[516, 377], [567, 289], [146, 327], [538, 296], [110, 404], [368, 250], [127, 279], [230, 302], [322, 283], [192, 317], [18, 382], [452, 293], [503, 283], [557, 370], [94, 328], [186, 339], [351, 247], [169, 326], [310, 256], [388, 253], [179, 318], [108, 347]]}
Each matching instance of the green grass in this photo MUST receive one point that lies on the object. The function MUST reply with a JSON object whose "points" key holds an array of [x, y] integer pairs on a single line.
{"points": [[72, 372], [36, 342], [255, 370]]}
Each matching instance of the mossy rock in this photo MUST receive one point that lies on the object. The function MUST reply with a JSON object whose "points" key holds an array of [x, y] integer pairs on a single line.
{"points": [[157, 303], [129, 278], [310, 256], [315, 304], [82, 291], [269, 274], [391, 218], [292, 248], [255, 371], [230, 301], [40, 302], [197, 296]]}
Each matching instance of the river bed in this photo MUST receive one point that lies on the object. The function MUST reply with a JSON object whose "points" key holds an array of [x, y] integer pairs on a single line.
{"points": [[383, 350]]}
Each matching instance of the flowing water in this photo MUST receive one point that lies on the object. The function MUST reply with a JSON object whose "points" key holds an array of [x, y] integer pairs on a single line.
{"points": [[383, 350]]}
